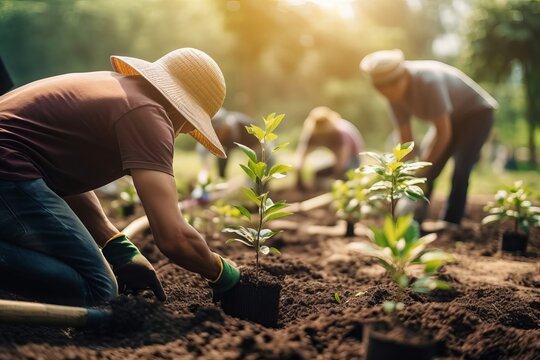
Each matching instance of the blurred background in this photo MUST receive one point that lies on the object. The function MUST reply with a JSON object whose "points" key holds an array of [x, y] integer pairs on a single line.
{"points": [[288, 56]]}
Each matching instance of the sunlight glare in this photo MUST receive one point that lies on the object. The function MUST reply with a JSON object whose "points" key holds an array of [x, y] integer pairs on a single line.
{"points": [[345, 8]]}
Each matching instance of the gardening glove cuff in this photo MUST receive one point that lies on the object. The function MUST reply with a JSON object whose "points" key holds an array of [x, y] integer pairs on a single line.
{"points": [[133, 271], [119, 251], [228, 277]]}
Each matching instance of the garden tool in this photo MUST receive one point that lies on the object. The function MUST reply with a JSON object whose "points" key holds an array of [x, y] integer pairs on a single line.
{"points": [[31, 313]]}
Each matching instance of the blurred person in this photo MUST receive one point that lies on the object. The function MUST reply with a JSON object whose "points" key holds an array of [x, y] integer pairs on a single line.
{"points": [[459, 111], [230, 127], [324, 127], [64, 136]]}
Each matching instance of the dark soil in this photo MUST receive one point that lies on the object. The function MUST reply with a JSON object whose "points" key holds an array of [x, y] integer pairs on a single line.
{"points": [[492, 312]]}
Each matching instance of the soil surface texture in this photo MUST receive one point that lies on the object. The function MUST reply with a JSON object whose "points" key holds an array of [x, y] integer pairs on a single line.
{"points": [[491, 312]]}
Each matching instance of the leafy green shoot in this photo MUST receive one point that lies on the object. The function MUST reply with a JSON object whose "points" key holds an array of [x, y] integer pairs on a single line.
{"points": [[258, 171], [350, 196], [395, 177], [337, 297], [397, 245], [513, 204]]}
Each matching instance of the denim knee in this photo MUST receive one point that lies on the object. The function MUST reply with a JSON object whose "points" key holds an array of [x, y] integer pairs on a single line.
{"points": [[103, 290]]}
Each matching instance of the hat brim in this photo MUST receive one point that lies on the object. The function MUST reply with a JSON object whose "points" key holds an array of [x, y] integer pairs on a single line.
{"points": [[158, 76]]}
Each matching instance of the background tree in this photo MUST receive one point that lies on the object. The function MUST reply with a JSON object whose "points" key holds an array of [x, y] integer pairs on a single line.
{"points": [[502, 35]]}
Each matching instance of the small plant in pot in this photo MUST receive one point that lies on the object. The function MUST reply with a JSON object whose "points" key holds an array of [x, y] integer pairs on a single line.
{"points": [[128, 200], [256, 297], [398, 247], [513, 204], [350, 199]]}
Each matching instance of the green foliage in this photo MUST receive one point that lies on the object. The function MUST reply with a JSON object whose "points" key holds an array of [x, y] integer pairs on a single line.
{"points": [[395, 178], [337, 297], [512, 203], [350, 195], [503, 34], [260, 174], [398, 245], [254, 42]]}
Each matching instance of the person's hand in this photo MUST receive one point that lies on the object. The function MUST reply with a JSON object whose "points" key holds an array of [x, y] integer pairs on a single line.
{"points": [[137, 275], [133, 271], [227, 279]]}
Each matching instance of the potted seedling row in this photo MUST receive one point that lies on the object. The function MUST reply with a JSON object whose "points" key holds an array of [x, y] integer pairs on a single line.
{"points": [[512, 204], [256, 297], [398, 246]]}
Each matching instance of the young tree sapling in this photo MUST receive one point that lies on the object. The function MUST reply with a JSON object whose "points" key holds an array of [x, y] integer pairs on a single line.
{"points": [[398, 244], [513, 204], [260, 174], [350, 198]]}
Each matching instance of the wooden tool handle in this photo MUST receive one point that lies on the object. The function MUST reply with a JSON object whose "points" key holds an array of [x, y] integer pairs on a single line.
{"points": [[29, 313]]}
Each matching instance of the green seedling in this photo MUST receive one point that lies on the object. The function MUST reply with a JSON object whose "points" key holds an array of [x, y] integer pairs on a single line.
{"points": [[513, 204], [398, 245], [350, 196], [395, 178], [337, 297], [260, 174]]}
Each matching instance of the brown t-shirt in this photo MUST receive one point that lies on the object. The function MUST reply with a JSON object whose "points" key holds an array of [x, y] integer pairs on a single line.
{"points": [[81, 131]]}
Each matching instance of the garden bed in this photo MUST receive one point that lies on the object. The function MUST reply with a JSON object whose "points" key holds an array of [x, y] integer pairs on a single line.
{"points": [[492, 312]]}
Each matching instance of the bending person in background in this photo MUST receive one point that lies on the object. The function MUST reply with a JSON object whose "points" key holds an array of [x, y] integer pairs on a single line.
{"points": [[64, 136], [459, 111], [230, 127], [325, 128]]}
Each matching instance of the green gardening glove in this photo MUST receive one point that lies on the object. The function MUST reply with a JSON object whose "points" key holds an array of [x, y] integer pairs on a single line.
{"points": [[133, 271], [227, 279]]}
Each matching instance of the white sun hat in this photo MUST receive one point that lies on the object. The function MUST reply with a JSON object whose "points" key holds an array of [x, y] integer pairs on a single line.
{"points": [[191, 81], [384, 66], [322, 120]]}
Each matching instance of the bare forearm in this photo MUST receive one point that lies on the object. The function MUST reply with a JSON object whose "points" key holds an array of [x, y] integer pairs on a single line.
{"points": [[190, 251], [173, 235], [88, 209], [437, 149], [441, 141]]}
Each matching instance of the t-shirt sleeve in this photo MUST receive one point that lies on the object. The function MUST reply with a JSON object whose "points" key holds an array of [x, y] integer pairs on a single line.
{"points": [[146, 139], [437, 98]]}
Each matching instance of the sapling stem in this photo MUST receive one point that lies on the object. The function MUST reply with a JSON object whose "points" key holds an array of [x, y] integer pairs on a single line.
{"points": [[260, 189], [255, 235]]}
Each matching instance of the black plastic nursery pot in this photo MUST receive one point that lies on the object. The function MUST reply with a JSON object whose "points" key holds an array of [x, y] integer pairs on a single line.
{"points": [[397, 343], [253, 300], [128, 210], [514, 242], [349, 232]]}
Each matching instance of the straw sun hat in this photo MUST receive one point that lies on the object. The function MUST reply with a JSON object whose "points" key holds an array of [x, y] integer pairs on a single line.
{"points": [[322, 120], [383, 67], [191, 81]]}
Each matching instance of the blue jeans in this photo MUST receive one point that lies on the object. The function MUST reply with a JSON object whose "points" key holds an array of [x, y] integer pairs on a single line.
{"points": [[468, 136], [46, 253]]}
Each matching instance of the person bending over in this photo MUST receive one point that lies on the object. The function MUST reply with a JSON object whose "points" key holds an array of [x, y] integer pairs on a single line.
{"points": [[325, 128], [64, 136], [459, 111]]}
